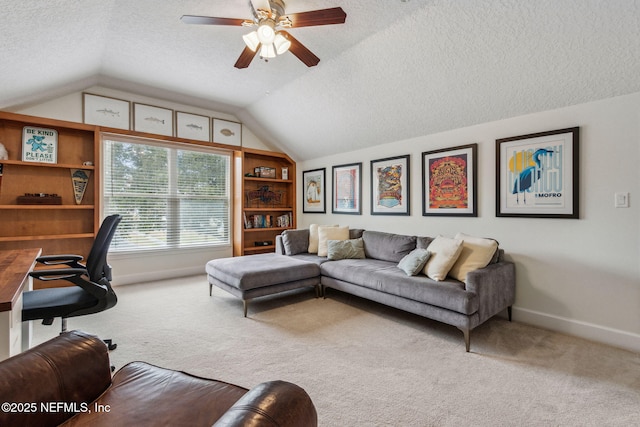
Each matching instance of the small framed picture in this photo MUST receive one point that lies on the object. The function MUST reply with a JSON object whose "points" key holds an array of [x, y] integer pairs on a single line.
{"points": [[537, 175], [39, 145], [390, 186], [227, 132], [450, 181], [347, 189], [193, 126], [314, 191], [150, 119], [285, 173], [105, 111]]}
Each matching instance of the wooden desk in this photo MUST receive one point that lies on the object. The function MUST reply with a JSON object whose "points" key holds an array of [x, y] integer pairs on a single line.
{"points": [[15, 266]]}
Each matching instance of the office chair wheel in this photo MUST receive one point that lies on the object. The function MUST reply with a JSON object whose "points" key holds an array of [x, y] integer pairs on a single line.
{"points": [[110, 344]]}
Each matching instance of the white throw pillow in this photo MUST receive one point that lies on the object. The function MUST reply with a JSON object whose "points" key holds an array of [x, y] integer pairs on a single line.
{"points": [[444, 253], [313, 237], [476, 253], [326, 233]]}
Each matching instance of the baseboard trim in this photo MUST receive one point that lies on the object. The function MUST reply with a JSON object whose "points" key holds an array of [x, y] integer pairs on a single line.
{"points": [[590, 331], [173, 273]]}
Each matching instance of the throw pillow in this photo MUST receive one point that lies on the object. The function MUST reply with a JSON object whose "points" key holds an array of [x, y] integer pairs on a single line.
{"points": [[345, 249], [444, 253], [295, 241], [314, 239], [476, 253], [326, 233], [414, 262]]}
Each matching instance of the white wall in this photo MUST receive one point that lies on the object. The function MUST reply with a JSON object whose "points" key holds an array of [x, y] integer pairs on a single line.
{"points": [[157, 265], [581, 276]]}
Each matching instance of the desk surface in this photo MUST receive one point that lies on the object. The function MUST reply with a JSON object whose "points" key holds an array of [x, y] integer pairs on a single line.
{"points": [[15, 266]]}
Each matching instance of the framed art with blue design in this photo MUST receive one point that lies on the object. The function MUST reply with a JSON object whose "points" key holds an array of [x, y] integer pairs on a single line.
{"points": [[347, 189], [390, 186], [450, 181], [537, 175]]}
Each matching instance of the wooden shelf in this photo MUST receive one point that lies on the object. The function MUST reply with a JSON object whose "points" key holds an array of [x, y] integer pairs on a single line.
{"points": [[65, 228], [245, 162], [46, 237], [47, 165], [47, 207]]}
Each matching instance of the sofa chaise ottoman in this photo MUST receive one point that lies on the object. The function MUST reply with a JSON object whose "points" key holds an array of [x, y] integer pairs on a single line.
{"points": [[259, 275], [67, 381]]}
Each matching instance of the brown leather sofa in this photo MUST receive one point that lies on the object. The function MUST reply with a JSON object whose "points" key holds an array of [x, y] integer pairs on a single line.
{"points": [[67, 381]]}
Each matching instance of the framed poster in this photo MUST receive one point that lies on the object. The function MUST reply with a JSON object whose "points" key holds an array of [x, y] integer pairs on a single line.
{"points": [[390, 186], [313, 188], [193, 126], [537, 175], [105, 111], [226, 132], [150, 119], [347, 188], [39, 145], [449, 181]]}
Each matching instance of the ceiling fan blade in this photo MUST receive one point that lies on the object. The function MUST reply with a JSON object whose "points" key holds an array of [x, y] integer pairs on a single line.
{"points": [[246, 57], [300, 51], [330, 16], [211, 20]]}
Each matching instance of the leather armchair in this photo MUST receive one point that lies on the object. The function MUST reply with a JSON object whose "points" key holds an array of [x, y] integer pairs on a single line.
{"points": [[67, 381]]}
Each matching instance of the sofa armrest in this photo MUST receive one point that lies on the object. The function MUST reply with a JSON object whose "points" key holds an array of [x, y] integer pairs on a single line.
{"points": [[72, 368], [495, 286], [272, 404]]}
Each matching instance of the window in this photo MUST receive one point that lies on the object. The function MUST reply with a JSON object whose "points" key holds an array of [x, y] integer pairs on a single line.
{"points": [[170, 196]]}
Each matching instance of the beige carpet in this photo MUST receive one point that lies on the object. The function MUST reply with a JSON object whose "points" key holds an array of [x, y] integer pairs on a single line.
{"points": [[364, 364]]}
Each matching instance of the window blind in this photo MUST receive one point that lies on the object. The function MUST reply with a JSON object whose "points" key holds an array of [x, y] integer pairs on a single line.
{"points": [[169, 197]]}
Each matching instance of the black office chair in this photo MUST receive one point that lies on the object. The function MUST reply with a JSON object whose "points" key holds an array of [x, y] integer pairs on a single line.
{"points": [[93, 292]]}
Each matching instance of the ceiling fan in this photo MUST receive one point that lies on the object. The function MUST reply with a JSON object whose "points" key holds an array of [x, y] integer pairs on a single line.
{"points": [[270, 38]]}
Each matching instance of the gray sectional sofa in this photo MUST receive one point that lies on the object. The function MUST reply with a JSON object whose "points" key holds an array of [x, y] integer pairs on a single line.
{"points": [[485, 292], [372, 271]]}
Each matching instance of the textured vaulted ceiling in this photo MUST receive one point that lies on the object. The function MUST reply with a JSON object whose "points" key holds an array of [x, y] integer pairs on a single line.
{"points": [[395, 70]]}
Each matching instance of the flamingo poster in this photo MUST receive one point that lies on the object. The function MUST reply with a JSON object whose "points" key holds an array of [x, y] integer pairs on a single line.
{"points": [[538, 175]]}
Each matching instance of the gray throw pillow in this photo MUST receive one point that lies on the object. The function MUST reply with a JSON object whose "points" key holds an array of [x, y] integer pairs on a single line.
{"points": [[295, 241], [414, 262], [345, 249]]}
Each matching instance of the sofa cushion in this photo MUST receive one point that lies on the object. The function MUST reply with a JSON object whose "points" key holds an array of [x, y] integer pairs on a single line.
{"points": [[414, 262], [295, 241], [423, 242], [386, 277], [314, 238], [476, 253], [387, 246], [345, 249], [326, 233], [444, 253]]}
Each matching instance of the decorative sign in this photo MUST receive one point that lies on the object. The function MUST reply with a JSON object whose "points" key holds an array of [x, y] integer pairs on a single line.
{"points": [[79, 179], [39, 145]]}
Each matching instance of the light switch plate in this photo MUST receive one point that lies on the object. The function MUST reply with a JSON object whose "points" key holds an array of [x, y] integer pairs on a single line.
{"points": [[622, 200]]}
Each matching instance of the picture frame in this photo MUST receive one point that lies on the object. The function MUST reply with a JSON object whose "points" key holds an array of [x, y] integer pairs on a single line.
{"points": [[314, 191], [347, 189], [450, 181], [193, 126], [390, 186], [106, 111], [150, 119], [537, 175], [227, 132], [39, 145]]}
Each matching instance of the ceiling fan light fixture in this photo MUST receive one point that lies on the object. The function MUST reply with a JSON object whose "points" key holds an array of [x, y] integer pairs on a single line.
{"points": [[266, 31], [267, 51], [281, 43], [251, 40]]}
